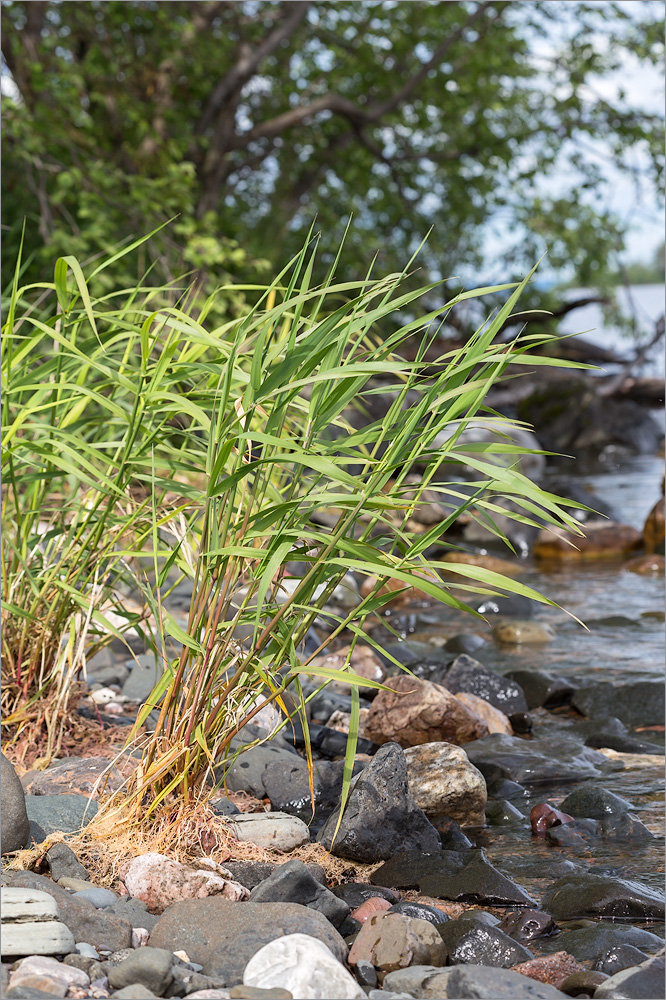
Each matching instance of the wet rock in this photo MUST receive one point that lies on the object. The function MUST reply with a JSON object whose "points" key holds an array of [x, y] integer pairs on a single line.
{"points": [[509, 605], [393, 941], [275, 830], [578, 834], [553, 969], [222, 936], [451, 835], [370, 907], [15, 823], [66, 813], [356, 893], [304, 967], [476, 981], [159, 881], [499, 812], [626, 827], [381, 813], [653, 529], [651, 565], [502, 788], [542, 689], [644, 982], [287, 785], [86, 776], [63, 863], [444, 783], [149, 967], [327, 742], [623, 744], [467, 674], [543, 761], [294, 883], [252, 873], [587, 943], [470, 942], [466, 642], [543, 816], [100, 928], [496, 721], [464, 876], [587, 895], [640, 703], [413, 712], [521, 723], [623, 956], [493, 563], [526, 925], [421, 911], [582, 984], [521, 633], [601, 540]]}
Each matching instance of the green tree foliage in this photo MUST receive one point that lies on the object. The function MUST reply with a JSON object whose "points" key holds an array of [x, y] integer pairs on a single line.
{"points": [[247, 119]]}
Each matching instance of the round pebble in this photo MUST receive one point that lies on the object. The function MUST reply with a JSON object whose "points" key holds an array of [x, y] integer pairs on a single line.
{"points": [[98, 897]]}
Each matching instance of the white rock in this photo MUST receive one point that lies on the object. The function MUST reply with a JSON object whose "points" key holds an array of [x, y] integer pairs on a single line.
{"points": [[304, 966], [140, 937], [160, 881], [21, 905], [216, 994], [275, 830], [46, 937], [41, 965], [444, 782], [103, 696]]}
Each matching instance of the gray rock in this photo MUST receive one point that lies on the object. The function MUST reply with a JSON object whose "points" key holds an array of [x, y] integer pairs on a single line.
{"points": [[645, 982], [21, 992], [15, 828], [424, 982], [287, 785], [117, 674], [222, 935], [545, 761], [588, 895], [476, 982], [100, 928], [294, 883], [594, 802], [381, 816], [151, 967], [65, 813], [467, 674], [136, 911], [185, 981], [246, 773], [100, 898], [46, 937], [251, 873], [586, 943], [542, 689], [137, 991], [470, 942], [144, 675], [86, 950], [37, 834], [273, 831], [640, 703], [624, 956], [63, 863]]}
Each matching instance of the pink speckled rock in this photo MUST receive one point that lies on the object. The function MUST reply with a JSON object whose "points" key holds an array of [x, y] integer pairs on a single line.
{"points": [[376, 904], [159, 881]]}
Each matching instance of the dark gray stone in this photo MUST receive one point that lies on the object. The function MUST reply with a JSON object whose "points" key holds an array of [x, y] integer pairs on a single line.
{"points": [[646, 982], [544, 761], [252, 873], [186, 981], [465, 642], [144, 675], [476, 982], [102, 929], [594, 802], [115, 674], [421, 911], [623, 956], [222, 935], [246, 773], [355, 893], [586, 943], [294, 883], [151, 967], [526, 925], [37, 834], [287, 785], [470, 942], [63, 863], [15, 828], [640, 703], [467, 674], [587, 895], [136, 911], [225, 807], [65, 813], [623, 744], [541, 689], [380, 816], [500, 812], [627, 828]]}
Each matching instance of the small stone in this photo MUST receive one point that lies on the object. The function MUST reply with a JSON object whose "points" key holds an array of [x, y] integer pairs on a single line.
{"points": [[36, 985], [468, 674], [275, 830], [86, 950], [63, 863], [376, 904], [74, 884], [41, 965], [293, 882], [366, 973], [484, 983], [518, 632], [149, 966], [421, 911], [553, 969], [140, 937], [392, 941], [136, 991], [99, 897], [305, 967], [594, 802], [582, 983]]}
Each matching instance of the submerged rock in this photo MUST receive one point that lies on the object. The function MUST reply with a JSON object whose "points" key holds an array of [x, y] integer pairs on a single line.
{"points": [[640, 703], [444, 783], [587, 943], [544, 761], [526, 925], [542, 689], [601, 540], [381, 814]]}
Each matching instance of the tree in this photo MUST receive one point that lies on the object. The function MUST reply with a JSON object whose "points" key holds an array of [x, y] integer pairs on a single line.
{"points": [[247, 119]]}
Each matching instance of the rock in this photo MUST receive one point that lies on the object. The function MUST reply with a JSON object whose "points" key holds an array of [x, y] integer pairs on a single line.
{"points": [[136, 991], [40, 965], [31, 925], [445, 783], [469, 982], [600, 540], [294, 883], [543, 817], [495, 720], [653, 530], [371, 906], [526, 925], [640, 703], [582, 984], [356, 893], [381, 814], [587, 943], [644, 982], [413, 712], [84, 775], [246, 772], [622, 744], [495, 565], [542, 689], [287, 785], [100, 928], [36, 986], [552, 969], [305, 967], [499, 812], [65, 813], [421, 981], [520, 633], [623, 956], [258, 993], [145, 672], [651, 565], [15, 824], [467, 674], [475, 943], [136, 911], [364, 663], [218, 994], [97, 896], [365, 973], [588, 895], [222, 935], [466, 642], [451, 835], [251, 873], [421, 911], [625, 827], [160, 881], [151, 967], [275, 830], [63, 863], [578, 834], [392, 941], [465, 876], [544, 761]]}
